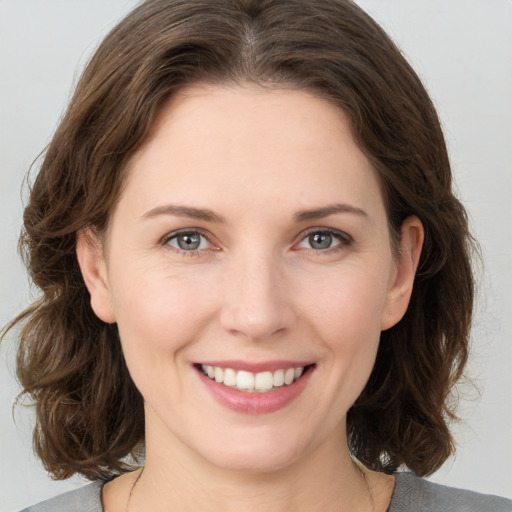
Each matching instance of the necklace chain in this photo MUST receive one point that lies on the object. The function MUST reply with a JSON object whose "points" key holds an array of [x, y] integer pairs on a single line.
{"points": [[362, 472], [133, 489], [357, 465]]}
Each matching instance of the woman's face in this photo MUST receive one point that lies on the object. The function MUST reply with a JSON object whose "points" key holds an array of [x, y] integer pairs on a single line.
{"points": [[250, 240]]}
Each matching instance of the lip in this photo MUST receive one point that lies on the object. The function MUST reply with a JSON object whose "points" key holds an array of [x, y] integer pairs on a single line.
{"points": [[255, 403]]}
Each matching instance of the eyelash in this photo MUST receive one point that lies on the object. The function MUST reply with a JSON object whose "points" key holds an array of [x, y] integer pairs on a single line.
{"points": [[192, 232], [344, 241]]}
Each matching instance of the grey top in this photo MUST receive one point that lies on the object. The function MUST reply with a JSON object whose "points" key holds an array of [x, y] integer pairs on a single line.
{"points": [[412, 494]]}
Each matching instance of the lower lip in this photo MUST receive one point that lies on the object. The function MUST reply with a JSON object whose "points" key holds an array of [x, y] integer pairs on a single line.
{"points": [[256, 403]]}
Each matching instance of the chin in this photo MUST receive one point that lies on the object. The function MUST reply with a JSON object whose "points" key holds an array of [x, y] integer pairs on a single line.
{"points": [[243, 462], [261, 452]]}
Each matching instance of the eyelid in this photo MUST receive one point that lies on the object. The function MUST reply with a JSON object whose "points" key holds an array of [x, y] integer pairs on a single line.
{"points": [[345, 239], [174, 234]]}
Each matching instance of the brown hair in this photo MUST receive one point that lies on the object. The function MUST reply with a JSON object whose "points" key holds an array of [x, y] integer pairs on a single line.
{"points": [[89, 413]]}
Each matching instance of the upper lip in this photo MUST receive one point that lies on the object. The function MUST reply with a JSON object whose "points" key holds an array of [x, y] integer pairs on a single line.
{"points": [[257, 367]]}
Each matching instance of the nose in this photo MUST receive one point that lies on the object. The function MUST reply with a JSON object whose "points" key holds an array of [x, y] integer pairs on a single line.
{"points": [[256, 301]]}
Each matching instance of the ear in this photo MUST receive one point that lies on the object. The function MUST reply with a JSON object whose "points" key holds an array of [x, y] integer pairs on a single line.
{"points": [[91, 259], [399, 292]]}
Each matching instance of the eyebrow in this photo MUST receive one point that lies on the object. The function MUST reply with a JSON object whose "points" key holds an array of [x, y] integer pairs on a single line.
{"points": [[185, 211], [207, 215], [320, 213]]}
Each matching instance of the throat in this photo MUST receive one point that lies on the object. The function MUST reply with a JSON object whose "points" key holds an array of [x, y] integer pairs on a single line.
{"points": [[312, 484]]}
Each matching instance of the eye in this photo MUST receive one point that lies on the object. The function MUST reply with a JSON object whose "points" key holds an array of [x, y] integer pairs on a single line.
{"points": [[322, 240], [188, 241]]}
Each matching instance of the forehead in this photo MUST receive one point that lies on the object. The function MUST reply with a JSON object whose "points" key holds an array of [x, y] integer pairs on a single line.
{"points": [[213, 143]]}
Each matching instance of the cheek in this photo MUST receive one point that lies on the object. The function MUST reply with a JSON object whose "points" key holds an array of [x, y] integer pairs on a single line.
{"points": [[350, 328], [158, 314], [348, 301], [346, 323]]}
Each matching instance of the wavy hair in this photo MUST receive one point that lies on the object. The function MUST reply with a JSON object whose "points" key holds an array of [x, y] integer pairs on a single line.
{"points": [[89, 413]]}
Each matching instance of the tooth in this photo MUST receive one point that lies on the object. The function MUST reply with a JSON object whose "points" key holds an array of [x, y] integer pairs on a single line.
{"points": [[248, 381], [229, 377], [219, 374], [263, 381], [245, 380], [278, 378], [289, 376]]}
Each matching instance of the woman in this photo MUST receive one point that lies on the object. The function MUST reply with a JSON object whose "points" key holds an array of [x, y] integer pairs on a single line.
{"points": [[254, 269]]}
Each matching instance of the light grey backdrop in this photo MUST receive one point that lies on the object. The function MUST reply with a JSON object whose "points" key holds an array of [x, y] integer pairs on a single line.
{"points": [[463, 51]]}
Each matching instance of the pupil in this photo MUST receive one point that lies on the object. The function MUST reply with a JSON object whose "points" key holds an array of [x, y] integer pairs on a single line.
{"points": [[189, 241], [320, 240]]}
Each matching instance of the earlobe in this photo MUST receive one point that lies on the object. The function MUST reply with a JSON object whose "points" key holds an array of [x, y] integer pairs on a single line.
{"points": [[92, 264], [399, 293]]}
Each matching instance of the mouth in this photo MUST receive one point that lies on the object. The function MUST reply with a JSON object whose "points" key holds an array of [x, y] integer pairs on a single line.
{"points": [[249, 382]]}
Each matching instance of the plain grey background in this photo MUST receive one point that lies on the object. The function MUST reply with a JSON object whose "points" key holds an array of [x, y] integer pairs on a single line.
{"points": [[463, 51]]}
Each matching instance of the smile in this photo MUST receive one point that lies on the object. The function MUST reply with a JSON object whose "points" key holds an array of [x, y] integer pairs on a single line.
{"points": [[262, 382], [267, 389]]}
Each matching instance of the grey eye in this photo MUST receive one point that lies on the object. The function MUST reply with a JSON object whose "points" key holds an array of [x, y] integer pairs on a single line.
{"points": [[324, 239], [188, 241], [320, 240]]}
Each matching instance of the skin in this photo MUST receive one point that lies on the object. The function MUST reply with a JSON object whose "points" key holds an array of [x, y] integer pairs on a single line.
{"points": [[256, 290]]}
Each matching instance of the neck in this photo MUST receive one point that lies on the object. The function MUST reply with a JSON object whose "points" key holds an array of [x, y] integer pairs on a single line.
{"points": [[325, 479]]}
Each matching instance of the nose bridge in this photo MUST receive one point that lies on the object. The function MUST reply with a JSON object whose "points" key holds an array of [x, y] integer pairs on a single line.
{"points": [[255, 302]]}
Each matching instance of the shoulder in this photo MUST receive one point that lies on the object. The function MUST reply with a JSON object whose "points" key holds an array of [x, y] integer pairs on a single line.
{"points": [[85, 499], [414, 494]]}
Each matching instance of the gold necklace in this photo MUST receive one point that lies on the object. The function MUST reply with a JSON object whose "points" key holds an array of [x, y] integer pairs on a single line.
{"points": [[360, 469], [133, 489]]}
